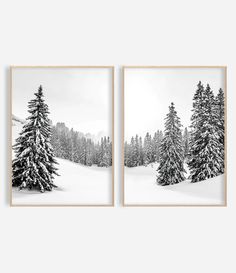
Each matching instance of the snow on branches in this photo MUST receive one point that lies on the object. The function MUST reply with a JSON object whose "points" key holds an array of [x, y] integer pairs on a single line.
{"points": [[206, 155], [34, 164], [171, 169]]}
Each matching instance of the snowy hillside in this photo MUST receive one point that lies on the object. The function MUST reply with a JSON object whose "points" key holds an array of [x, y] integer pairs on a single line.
{"points": [[17, 126], [17, 121], [141, 188], [77, 184]]}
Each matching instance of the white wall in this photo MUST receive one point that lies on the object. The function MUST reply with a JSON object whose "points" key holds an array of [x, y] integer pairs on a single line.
{"points": [[123, 32]]}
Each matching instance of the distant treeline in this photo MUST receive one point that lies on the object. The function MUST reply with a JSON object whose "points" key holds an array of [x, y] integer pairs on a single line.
{"points": [[139, 152], [74, 146]]}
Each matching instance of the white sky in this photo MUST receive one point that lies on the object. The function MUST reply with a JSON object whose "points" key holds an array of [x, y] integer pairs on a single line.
{"points": [[149, 92], [80, 97]]}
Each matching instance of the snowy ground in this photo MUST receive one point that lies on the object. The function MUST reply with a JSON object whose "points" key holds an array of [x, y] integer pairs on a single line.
{"points": [[141, 188], [77, 185]]}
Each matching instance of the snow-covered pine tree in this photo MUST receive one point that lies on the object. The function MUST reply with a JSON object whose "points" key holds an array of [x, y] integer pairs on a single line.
{"points": [[61, 141], [101, 152], [76, 147], [96, 153], [34, 164], [140, 151], [155, 148], [136, 152], [65, 144], [83, 152], [71, 145], [109, 148], [126, 152], [160, 137], [186, 142], [171, 168], [220, 105], [105, 160], [55, 140], [205, 149], [147, 149], [89, 151], [195, 133], [133, 152], [129, 162], [131, 155], [156, 142]]}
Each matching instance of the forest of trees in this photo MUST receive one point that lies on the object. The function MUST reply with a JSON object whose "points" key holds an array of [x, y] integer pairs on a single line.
{"points": [[74, 146], [142, 153], [201, 147]]}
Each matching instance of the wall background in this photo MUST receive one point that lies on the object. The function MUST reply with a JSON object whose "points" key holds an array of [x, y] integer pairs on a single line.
{"points": [[123, 32]]}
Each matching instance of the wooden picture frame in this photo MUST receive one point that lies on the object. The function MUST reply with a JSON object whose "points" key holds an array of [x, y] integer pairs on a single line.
{"points": [[177, 204], [110, 70]]}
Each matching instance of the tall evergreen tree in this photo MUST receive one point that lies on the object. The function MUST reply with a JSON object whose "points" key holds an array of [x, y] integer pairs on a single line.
{"points": [[140, 151], [126, 153], [75, 152], [156, 142], [71, 145], [65, 142], [147, 149], [171, 168], [34, 164], [105, 158], [89, 152], [109, 149], [155, 147], [206, 159], [131, 153], [136, 154], [56, 144], [220, 105], [83, 151], [160, 140], [186, 143]]}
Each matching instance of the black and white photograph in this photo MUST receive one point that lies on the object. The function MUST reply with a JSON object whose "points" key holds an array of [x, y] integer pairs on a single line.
{"points": [[62, 134], [174, 136]]}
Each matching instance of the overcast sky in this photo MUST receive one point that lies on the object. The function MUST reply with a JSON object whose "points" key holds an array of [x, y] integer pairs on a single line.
{"points": [[149, 92], [80, 97]]}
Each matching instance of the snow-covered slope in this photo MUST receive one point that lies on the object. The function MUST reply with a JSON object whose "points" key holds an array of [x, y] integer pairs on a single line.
{"points": [[77, 184], [16, 129], [141, 188], [17, 121]]}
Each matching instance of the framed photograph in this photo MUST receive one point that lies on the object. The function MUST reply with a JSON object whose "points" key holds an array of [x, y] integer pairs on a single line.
{"points": [[174, 136], [62, 136]]}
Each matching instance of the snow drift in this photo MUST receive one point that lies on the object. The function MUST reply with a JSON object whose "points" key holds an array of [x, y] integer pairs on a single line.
{"points": [[141, 188]]}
